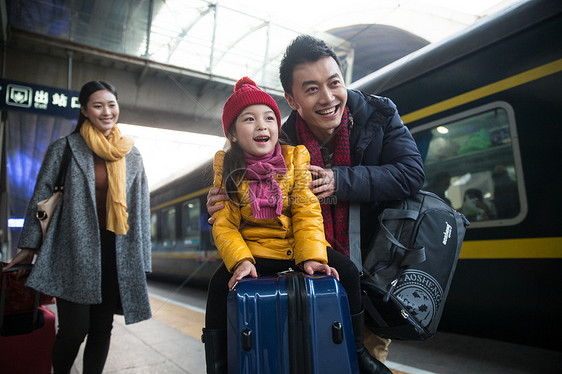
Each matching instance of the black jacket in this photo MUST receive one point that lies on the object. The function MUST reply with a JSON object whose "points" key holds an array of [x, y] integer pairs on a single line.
{"points": [[385, 161]]}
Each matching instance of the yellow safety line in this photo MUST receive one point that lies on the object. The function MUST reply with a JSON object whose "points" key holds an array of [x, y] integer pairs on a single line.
{"points": [[188, 321]]}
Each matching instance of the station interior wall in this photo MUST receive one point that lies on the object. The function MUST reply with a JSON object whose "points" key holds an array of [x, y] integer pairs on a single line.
{"points": [[150, 94]]}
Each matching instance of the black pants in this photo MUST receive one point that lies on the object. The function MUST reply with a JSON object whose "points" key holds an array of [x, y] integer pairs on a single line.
{"points": [[76, 321], [215, 315]]}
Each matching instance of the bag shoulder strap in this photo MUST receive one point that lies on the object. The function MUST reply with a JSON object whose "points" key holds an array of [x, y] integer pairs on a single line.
{"points": [[59, 185], [355, 235]]}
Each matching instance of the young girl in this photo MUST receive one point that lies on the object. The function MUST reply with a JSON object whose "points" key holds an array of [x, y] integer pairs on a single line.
{"points": [[272, 221]]}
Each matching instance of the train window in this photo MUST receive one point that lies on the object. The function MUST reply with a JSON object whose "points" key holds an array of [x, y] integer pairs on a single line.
{"points": [[191, 212], [154, 228], [472, 161], [169, 227]]}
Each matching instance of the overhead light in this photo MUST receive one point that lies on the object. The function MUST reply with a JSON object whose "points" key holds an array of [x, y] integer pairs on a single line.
{"points": [[15, 222], [442, 130]]}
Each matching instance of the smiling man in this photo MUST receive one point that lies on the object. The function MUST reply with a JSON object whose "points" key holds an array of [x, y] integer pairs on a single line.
{"points": [[361, 152]]}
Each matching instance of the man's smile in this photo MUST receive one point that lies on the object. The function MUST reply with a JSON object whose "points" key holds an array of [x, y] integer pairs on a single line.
{"points": [[328, 111]]}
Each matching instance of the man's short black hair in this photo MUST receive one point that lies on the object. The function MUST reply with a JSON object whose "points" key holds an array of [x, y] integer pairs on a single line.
{"points": [[304, 48]]}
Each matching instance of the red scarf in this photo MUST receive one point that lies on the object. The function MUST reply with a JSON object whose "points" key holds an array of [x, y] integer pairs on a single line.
{"points": [[266, 198], [336, 217]]}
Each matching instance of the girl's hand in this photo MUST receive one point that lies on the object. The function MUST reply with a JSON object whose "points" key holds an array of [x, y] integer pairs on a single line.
{"points": [[243, 269], [25, 256], [312, 266]]}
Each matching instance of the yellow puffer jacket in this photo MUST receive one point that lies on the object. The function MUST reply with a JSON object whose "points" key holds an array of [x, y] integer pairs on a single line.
{"points": [[298, 234]]}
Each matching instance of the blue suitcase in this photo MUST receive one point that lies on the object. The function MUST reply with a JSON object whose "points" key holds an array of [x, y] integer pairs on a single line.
{"points": [[290, 324]]}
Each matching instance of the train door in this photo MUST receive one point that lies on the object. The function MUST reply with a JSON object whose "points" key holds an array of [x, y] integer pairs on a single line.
{"points": [[191, 225]]}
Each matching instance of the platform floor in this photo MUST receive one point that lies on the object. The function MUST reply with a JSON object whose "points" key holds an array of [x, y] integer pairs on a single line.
{"points": [[165, 344], [169, 344]]}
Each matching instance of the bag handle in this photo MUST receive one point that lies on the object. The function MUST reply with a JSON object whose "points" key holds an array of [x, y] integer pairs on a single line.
{"points": [[413, 255]]}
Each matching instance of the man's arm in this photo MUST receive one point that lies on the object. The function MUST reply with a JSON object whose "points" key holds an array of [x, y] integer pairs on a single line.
{"points": [[399, 172]]}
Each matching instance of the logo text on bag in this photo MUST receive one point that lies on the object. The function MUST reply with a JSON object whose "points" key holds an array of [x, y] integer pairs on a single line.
{"points": [[447, 232]]}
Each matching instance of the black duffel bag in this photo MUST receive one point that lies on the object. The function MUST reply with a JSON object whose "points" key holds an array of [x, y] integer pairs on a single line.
{"points": [[409, 266]]}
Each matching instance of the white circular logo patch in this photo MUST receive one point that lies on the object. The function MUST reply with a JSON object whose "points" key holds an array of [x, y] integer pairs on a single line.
{"points": [[421, 294]]}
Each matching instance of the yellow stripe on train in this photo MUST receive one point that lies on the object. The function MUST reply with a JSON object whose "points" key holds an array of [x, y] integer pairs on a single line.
{"points": [[182, 198], [502, 85], [512, 248]]}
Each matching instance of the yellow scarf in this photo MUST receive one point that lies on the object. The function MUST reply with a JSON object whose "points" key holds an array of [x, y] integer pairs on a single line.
{"points": [[113, 150]]}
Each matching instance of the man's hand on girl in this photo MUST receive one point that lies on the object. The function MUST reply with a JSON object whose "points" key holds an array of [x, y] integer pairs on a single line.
{"points": [[323, 182], [214, 196]]}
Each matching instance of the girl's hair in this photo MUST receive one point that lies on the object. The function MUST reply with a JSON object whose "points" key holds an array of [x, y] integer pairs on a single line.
{"points": [[233, 169], [234, 164], [87, 90]]}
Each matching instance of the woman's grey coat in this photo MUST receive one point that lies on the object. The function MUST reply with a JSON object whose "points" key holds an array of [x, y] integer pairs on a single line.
{"points": [[69, 263]]}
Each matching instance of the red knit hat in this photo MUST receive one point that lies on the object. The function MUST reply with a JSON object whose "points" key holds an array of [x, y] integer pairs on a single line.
{"points": [[246, 93]]}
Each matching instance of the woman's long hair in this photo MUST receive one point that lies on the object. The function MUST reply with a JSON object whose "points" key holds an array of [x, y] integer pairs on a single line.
{"points": [[87, 90]]}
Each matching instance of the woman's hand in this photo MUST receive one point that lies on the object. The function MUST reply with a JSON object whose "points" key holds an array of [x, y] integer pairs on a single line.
{"points": [[312, 266], [243, 269], [214, 196], [25, 256]]}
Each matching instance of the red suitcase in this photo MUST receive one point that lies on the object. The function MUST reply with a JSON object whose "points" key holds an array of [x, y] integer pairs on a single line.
{"points": [[26, 339]]}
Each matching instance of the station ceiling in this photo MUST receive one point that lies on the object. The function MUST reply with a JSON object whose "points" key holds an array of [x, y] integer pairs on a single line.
{"points": [[177, 60], [227, 39]]}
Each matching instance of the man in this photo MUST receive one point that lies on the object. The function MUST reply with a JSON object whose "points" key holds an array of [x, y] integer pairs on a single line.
{"points": [[361, 152]]}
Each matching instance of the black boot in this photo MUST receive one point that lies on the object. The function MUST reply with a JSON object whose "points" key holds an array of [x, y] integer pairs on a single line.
{"points": [[367, 363], [215, 351]]}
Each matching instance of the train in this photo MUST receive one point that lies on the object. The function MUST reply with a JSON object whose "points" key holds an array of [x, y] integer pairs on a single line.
{"points": [[484, 107]]}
